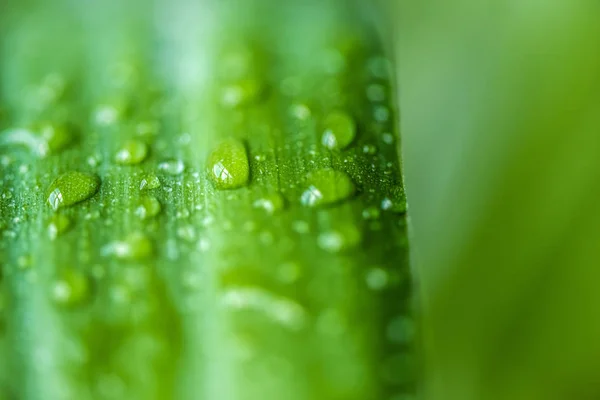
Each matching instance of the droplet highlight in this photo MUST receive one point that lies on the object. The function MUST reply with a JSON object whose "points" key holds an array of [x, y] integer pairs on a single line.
{"points": [[132, 152]]}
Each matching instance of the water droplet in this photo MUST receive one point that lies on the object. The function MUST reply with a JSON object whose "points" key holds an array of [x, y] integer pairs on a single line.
{"points": [[326, 187], [71, 188], [371, 213], [203, 244], [147, 128], [183, 213], [300, 111], [339, 131], [107, 114], [388, 138], [71, 288], [402, 330], [150, 182], [136, 246], [149, 207], [377, 278], [24, 261], [242, 92], [271, 203], [340, 239], [281, 310], [132, 152], [172, 167], [58, 225], [300, 227], [187, 233], [228, 165], [381, 114], [379, 67], [369, 149], [94, 160], [387, 204], [56, 136]]}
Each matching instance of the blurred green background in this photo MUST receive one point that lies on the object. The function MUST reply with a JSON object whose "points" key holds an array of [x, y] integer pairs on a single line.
{"points": [[500, 120]]}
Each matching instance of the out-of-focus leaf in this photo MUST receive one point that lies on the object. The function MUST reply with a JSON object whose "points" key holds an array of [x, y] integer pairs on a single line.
{"points": [[501, 127]]}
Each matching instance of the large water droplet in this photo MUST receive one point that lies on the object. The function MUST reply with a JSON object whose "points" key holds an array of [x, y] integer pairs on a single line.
{"points": [[132, 152], [71, 188], [149, 207], [71, 288], [326, 187], [58, 225], [339, 131], [228, 165]]}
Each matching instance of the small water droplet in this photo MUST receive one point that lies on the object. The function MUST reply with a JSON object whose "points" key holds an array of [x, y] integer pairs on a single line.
{"points": [[387, 204], [371, 213], [150, 182], [242, 92], [71, 288], [148, 207], [135, 246], [147, 128], [94, 160], [281, 310], [339, 131], [58, 225], [172, 167], [182, 214], [369, 149], [388, 138], [381, 114], [340, 239], [203, 244], [71, 188], [300, 111], [228, 165], [271, 203], [300, 226], [327, 187], [107, 114], [377, 278], [132, 152], [56, 136], [187, 233]]}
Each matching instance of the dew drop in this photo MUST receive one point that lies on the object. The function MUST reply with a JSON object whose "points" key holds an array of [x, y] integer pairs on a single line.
{"points": [[71, 288], [242, 92], [369, 149], [339, 131], [187, 233], [326, 187], [135, 246], [172, 167], [148, 207], [388, 138], [376, 92], [150, 182], [377, 278], [371, 213], [340, 239], [58, 225], [71, 188], [300, 111], [56, 136], [228, 165], [271, 203], [132, 152]]}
